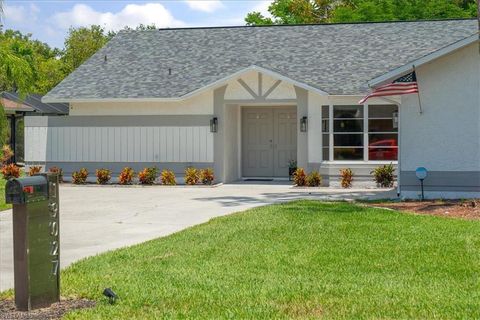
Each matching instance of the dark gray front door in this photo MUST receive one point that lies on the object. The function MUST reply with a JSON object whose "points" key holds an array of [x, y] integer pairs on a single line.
{"points": [[269, 140]]}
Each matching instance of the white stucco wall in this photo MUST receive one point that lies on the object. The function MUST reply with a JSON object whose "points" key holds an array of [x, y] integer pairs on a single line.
{"points": [[446, 136], [232, 147], [200, 104], [315, 103]]}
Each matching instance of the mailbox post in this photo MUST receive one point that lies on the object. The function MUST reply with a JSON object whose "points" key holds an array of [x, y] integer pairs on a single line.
{"points": [[36, 240]]}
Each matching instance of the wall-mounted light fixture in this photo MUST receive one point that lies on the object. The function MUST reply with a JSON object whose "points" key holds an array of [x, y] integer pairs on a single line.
{"points": [[303, 124], [395, 119], [214, 124]]}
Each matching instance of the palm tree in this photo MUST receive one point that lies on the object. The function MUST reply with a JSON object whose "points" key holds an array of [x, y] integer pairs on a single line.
{"points": [[13, 66]]}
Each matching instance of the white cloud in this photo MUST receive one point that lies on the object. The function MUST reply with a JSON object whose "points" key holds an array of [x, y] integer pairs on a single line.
{"points": [[131, 15], [16, 13], [262, 7], [21, 15], [205, 5]]}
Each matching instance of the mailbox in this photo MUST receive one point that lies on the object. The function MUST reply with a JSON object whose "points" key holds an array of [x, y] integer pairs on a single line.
{"points": [[36, 240], [26, 190]]}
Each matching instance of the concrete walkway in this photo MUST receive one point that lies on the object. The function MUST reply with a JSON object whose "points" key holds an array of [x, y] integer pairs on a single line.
{"points": [[96, 219]]}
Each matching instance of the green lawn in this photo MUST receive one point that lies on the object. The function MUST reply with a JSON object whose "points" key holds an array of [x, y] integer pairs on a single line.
{"points": [[3, 206], [303, 259]]}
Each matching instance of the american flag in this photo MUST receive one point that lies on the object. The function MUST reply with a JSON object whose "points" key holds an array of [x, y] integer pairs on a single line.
{"points": [[403, 85]]}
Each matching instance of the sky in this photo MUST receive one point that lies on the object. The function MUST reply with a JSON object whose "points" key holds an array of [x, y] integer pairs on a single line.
{"points": [[49, 21]]}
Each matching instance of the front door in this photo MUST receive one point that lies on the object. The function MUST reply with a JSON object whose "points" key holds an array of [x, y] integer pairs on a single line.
{"points": [[269, 140]]}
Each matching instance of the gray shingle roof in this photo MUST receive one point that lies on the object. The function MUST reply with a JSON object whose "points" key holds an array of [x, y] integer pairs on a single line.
{"points": [[336, 58]]}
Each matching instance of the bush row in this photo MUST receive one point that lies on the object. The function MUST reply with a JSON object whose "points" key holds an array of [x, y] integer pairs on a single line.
{"points": [[146, 176], [384, 177]]}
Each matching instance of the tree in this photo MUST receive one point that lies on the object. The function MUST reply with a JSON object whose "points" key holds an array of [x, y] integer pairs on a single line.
{"points": [[80, 44], [296, 12], [38, 56], [321, 11]]}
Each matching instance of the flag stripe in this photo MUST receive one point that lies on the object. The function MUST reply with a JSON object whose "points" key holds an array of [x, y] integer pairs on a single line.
{"points": [[387, 93], [395, 88]]}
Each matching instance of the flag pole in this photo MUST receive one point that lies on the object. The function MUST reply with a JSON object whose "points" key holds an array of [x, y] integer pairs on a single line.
{"points": [[418, 93]]}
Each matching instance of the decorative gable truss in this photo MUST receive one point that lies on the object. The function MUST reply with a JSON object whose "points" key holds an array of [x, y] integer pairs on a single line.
{"points": [[259, 87]]}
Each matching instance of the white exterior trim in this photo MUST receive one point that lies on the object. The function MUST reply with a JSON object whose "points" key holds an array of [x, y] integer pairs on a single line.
{"points": [[212, 85], [403, 70]]}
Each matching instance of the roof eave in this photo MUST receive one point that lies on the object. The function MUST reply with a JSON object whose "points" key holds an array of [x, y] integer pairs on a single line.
{"points": [[212, 85], [407, 68]]}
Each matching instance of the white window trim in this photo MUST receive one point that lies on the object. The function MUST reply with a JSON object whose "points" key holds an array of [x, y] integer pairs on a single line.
{"points": [[366, 132]]}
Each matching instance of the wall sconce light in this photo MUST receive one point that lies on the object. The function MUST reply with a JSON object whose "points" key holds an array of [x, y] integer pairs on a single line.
{"points": [[214, 124], [303, 124], [395, 119]]}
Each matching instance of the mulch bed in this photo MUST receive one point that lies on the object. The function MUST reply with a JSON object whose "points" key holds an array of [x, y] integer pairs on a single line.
{"points": [[55, 311], [466, 209]]}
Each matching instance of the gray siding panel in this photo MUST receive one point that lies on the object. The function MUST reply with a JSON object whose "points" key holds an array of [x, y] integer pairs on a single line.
{"points": [[464, 181]]}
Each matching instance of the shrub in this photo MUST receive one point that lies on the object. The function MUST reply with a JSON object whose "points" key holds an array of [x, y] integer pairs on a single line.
{"points": [[6, 154], [192, 176], [168, 178], [207, 176], [103, 176], [80, 177], [126, 176], [10, 171], [58, 171], [33, 170], [346, 177], [300, 177], [384, 175], [314, 179], [147, 175]]}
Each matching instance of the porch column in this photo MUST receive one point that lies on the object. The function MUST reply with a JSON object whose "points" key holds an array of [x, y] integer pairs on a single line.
{"points": [[219, 136], [302, 137]]}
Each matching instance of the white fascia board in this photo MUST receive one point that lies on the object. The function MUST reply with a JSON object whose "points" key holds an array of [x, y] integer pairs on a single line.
{"points": [[212, 85], [407, 68]]}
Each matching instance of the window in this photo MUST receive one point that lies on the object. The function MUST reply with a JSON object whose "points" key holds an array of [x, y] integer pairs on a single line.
{"points": [[347, 132], [355, 128], [382, 133]]}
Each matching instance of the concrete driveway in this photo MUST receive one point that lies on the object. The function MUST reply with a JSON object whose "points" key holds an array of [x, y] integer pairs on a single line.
{"points": [[96, 219]]}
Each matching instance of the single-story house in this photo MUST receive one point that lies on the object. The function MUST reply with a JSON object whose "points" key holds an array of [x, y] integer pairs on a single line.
{"points": [[248, 100], [16, 107]]}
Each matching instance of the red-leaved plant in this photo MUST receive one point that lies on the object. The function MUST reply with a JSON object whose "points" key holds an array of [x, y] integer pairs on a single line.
{"points": [[300, 177], [147, 176], [192, 176], [103, 176], [10, 171], [80, 177], [126, 176], [314, 179], [167, 178], [346, 177], [207, 176], [33, 170]]}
